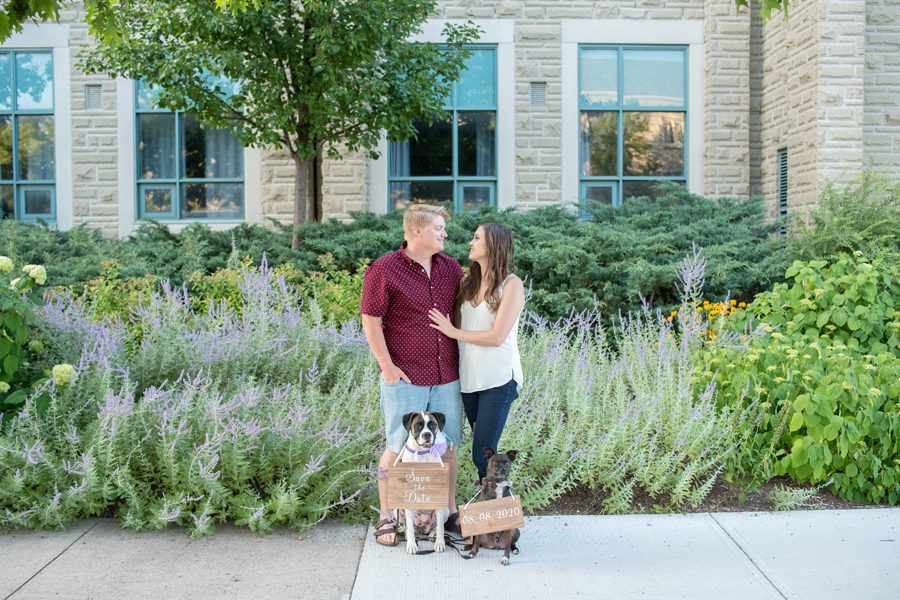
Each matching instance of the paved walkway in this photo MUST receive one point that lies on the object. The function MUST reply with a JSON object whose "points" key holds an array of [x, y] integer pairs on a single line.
{"points": [[815, 555]]}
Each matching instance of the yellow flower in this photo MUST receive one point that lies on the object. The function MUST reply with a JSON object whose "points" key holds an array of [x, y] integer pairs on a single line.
{"points": [[36, 272], [770, 368], [742, 305], [4, 387], [874, 392], [673, 313], [64, 374], [6, 265], [733, 302]]}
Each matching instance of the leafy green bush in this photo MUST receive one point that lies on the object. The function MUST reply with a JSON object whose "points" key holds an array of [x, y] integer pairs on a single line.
{"points": [[864, 215], [827, 375], [18, 347], [607, 262]]}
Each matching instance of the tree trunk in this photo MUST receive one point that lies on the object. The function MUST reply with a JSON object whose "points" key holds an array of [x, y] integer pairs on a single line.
{"points": [[319, 213], [307, 194], [304, 195]]}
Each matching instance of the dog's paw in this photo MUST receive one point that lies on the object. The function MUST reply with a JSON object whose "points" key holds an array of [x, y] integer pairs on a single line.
{"points": [[440, 545], [515, 551], [411, 547], [504, 561]]}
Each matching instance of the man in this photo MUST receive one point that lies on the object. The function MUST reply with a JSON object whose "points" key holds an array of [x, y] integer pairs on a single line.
{"points": [[419, 365]]}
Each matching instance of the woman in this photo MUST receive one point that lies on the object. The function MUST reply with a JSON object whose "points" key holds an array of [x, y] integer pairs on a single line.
{"points": [[489, 303]]}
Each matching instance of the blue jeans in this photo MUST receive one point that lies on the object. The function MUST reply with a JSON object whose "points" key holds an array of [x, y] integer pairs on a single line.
{"points": [[486, 412], [400, 398]]}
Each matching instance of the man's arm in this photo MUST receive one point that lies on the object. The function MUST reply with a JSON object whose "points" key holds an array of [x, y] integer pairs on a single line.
{"points": [[375, 336]]}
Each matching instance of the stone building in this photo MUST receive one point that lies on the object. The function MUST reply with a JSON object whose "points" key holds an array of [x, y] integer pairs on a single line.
{"points": [[562, 100]]}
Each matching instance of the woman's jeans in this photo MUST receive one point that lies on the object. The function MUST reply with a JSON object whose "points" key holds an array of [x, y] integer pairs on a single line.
{"points": [[486, 412]]}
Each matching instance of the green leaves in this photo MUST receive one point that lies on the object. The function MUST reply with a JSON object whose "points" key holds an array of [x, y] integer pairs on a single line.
{"points": [[831, 366]]}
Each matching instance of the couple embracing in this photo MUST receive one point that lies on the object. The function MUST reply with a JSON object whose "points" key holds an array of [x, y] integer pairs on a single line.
{"points": [[411, 303]]}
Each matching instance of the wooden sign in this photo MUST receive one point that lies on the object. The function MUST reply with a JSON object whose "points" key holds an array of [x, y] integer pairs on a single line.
{"points": [[491, 515], [419, 486]]}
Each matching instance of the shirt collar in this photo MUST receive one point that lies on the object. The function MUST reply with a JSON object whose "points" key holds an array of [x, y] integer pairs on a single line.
{"points": [[409, 261]]}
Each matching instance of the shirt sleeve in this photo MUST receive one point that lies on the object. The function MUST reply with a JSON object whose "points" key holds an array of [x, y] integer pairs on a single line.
{"points": [[375, 291]]}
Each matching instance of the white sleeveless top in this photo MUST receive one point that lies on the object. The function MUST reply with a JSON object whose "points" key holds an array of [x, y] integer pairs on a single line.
{"points": [[486, 367]]}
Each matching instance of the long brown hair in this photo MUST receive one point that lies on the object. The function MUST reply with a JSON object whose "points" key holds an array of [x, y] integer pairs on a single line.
{"points": [[500, 250]]}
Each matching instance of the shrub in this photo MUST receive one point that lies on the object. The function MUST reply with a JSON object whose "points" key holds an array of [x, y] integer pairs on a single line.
{"points": [[864, 215], [827, 375], [607, 262], [18, 347]]}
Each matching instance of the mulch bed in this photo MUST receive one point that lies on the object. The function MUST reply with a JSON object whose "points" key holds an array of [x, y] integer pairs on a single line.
{"points": [[724, 497]]}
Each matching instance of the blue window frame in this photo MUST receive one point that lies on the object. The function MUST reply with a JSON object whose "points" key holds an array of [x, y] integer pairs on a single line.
{"points": [[453, 159], [632, 108], [185, 171], [27, 135]]}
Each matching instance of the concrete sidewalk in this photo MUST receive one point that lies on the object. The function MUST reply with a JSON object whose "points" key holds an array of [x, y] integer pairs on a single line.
{"points": [[810, 554]]}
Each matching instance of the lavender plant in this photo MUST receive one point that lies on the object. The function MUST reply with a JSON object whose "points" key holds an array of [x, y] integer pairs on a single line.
{"points": [[614, 419], [267, 414]]}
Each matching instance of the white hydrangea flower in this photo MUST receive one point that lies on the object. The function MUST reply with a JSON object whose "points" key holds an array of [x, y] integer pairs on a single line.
{"points": [[37, 272], [64, 374], [6, 264], [4, 387]]}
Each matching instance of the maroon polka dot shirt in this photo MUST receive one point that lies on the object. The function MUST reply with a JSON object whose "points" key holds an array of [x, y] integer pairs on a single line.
{"points": [[397, 289]]}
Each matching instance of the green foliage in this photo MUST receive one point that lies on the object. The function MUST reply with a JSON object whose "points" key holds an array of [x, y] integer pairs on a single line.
{"points": [[827, 376], [864, 215], [17, 369], [608, 262], [788, 498]]}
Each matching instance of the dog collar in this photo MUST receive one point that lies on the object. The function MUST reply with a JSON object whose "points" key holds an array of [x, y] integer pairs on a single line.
{"points": [[490, 484], [436, 450]]}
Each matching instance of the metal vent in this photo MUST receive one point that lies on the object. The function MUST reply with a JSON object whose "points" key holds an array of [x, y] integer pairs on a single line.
{"points": [[782, 182], [538, 94], [92, 96]]}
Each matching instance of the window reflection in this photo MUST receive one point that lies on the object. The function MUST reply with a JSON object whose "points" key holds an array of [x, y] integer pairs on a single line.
{"points": [[414, 192], [599, 136], [218, 200], [210, 153], [37, 159], [653, 144], [34, 77], [476, 143], [156, 146]]}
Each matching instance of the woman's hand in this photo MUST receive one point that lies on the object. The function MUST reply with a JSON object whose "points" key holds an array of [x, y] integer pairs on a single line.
{"points": [[442, 323]]}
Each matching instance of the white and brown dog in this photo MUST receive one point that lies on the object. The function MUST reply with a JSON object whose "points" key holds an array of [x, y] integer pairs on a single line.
{"points": [[425, 443]]}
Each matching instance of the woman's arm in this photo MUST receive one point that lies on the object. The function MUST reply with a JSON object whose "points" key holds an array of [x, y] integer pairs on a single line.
{"points": [[511, 304]]}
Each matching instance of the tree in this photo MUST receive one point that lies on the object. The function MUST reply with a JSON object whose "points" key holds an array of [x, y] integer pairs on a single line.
{"points": [[16, 12], [307, 75]]}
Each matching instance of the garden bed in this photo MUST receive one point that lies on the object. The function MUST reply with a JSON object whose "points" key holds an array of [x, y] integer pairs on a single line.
{"points": [[723, 497]]}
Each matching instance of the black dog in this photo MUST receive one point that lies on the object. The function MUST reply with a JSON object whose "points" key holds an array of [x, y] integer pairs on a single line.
{"points": [[496, 485]]}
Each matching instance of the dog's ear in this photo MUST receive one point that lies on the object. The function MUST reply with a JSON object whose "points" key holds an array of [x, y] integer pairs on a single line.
{"points": [[512, 455], [489, 452], [441, 419], [406, 420]]}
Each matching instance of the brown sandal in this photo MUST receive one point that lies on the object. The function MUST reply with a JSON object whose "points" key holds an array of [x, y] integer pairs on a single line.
{"points": [[386, 527]]}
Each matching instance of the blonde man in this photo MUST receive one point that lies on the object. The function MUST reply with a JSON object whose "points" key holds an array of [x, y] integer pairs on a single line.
{"points": [[419, 365]]}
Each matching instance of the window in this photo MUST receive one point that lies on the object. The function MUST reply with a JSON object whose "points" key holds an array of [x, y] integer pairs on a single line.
{"points": [[453, 159], [632, 105], [184, 170], [27, 140]]}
